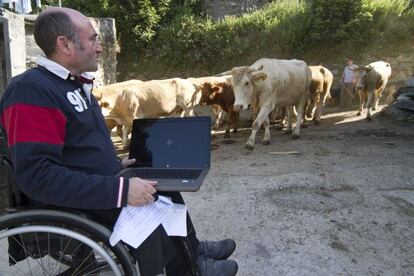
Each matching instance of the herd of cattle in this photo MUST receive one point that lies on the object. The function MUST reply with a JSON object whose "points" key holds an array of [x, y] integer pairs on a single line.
{"points": [[267, 87]]}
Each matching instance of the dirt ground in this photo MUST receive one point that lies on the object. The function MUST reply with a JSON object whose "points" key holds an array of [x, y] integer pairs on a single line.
{"points": [[343, 205]]}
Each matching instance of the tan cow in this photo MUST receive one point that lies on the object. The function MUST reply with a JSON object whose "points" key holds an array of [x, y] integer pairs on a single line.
{"points": [[370, 82], [269, 83], [153, 99], [106, 96], [319, 91]]}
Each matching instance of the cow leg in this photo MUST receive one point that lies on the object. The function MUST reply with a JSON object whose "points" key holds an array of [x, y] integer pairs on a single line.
{"points": [[266, 138], [370, 101], [125, 132], [217, 111], [378, 97], [231, 122], [300, 110], [236, 121], [228, 120], [361, 102], [119, 130], [289, 111], [318, 112], [261, 117]]}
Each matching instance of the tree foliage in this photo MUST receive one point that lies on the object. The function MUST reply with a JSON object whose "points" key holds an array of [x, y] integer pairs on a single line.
{"points": [[137, 21]]}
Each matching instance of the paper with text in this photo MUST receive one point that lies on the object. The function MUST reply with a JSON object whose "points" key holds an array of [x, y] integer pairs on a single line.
{"points": [[135, 224]]}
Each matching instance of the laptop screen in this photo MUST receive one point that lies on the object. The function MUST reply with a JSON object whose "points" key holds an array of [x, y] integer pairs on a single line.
{"points": [[171, 142]]}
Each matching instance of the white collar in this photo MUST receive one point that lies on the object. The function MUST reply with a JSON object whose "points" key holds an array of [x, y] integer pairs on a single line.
{"points": [[58, 69]]}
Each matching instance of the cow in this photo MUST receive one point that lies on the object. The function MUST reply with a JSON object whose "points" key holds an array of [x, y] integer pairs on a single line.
{"points": [[221, 94], [268, 83], [152, 99], [319, 91], [200, 81], [106, 97], [370, 82]]}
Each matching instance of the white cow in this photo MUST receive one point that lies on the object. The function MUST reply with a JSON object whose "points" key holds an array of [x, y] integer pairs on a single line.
{"points": [[269, 83], [370, 82], [153, 99]]}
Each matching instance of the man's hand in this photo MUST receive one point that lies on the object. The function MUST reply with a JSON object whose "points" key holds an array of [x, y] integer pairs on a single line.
{"points": [[141, 191], [126, 162]]}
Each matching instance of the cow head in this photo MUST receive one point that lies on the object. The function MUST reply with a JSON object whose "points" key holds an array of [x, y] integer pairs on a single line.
{"points": [[210, 93], [243, 82], [361, 77]]}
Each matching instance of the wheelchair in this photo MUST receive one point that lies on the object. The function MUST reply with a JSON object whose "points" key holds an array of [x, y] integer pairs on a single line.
{"points": [[45, 241]]}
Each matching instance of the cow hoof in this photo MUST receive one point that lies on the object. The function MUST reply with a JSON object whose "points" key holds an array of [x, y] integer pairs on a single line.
{"points": [[288, 131], [235, 130], [278, 127], [359, 114], [295, 136], [265, 142], [317, 122], [249, 147], [368, 119], [227, 135]]}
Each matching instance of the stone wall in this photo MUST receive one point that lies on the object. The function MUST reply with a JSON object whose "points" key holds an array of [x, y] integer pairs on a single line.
{"points": [[217, 9], [21, 49], [13, 55]]}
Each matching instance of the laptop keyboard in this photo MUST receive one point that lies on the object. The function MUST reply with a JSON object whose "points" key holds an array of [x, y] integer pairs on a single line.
{"points": [[163, 173]]}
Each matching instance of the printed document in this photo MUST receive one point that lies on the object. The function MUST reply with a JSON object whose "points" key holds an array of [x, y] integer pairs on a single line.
{"points": [[135, 224]]}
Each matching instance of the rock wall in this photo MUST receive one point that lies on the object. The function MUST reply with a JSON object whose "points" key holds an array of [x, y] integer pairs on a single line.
{"points": [[217, 9]]}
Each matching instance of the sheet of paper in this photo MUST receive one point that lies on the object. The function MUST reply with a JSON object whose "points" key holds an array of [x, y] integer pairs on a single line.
{"points": [[135, 224], [175, 224]]}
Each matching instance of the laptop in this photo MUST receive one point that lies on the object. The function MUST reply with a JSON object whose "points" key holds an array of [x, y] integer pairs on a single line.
{"points": [[173, 151]]}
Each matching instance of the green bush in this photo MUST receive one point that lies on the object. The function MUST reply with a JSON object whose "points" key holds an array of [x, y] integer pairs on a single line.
{"points": [[176, 34]]}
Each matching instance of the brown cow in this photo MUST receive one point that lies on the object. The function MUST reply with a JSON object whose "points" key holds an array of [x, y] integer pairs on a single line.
{"points": [[319, 91], [221, 94]]}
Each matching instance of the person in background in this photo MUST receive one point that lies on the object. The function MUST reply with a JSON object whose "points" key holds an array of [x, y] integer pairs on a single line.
{"points": [[347, 94], [63, 155]]}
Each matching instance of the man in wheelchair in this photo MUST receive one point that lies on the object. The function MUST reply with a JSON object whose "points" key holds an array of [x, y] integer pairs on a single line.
{"points": [[63, 156]]}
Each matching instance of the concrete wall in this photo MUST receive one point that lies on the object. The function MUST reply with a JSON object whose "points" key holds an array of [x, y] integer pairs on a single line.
{"points": [[21, 50]]}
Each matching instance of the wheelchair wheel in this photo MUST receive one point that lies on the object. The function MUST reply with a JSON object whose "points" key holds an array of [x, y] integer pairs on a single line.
{"points": [[50, 242]]}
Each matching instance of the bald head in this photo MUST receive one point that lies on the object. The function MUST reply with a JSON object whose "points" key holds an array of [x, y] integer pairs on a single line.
{"points": [[55, 22]]}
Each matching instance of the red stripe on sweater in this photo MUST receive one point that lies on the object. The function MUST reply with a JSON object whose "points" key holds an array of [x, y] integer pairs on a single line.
{"points": [[31, 123]]}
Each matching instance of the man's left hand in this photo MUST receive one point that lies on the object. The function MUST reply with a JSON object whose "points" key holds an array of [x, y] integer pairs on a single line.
{"points": [[126, 162]]}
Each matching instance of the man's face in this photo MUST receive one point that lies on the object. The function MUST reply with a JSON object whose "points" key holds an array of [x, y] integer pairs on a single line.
{"points": [[349, 61], [87, 50]]}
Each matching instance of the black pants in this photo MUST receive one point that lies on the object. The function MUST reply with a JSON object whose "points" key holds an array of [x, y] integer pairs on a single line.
{"points": [[176, 254]]}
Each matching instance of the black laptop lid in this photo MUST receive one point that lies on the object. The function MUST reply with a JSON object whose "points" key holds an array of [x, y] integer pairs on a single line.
{"points": [[171, 142]]}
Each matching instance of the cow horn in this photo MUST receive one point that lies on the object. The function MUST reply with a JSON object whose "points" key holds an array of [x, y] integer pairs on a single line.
{"points": [[256, 69]]}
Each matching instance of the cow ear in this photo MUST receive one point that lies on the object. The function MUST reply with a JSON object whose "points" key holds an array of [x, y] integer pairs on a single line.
{"points": [[259, 76], [105, 104], [217, 89]]}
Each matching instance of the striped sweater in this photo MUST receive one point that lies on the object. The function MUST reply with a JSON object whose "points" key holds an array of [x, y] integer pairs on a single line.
{"points": [[59, 144]]}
